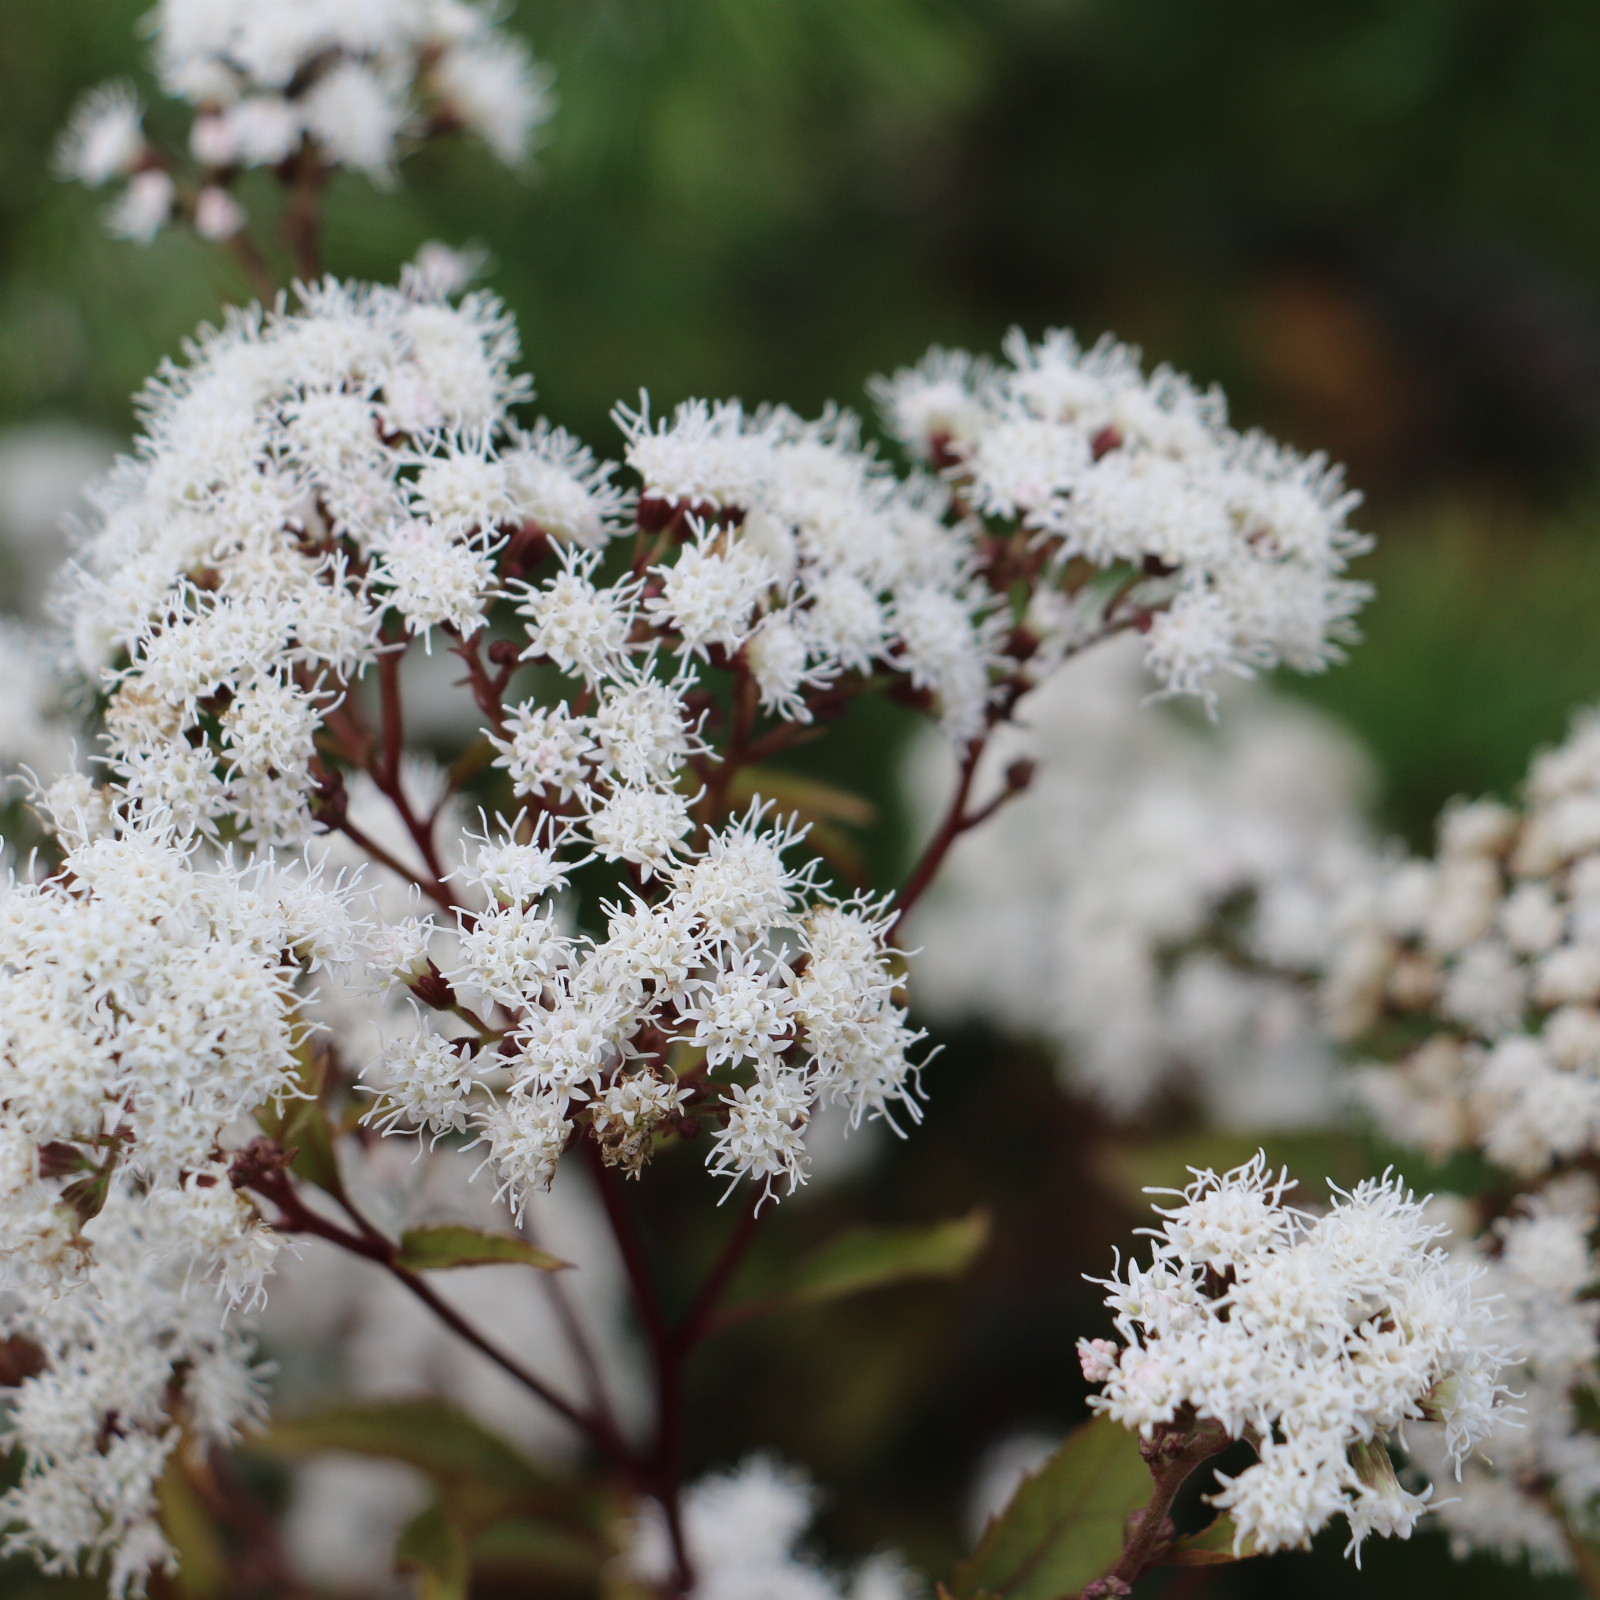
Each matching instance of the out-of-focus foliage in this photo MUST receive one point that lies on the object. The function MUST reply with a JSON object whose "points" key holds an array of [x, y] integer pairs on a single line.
{"points": [[1376, 222]]}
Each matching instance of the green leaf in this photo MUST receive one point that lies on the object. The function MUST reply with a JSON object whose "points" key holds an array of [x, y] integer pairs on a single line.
{"points": [[431, 1545], [1129, 1169], [810, 798], [429, 1434], [301, 1125], [454, 1245], [1210, 1547], [87, 1195], [190, 1530], [870, 1258], [520, 1548], [1064, 1525], [305, 1131]]}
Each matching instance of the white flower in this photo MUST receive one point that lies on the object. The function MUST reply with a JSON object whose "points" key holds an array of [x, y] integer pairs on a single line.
{"points": [[764, 1137], [525, 1134], [261, 129], [217, 215], [354, 77], [424, 1081], [509, 952], [1317, 1337], [739, 886], [709, 596], [1156, 904], [134, 1342], [642, 734], [103, 138], [582, 628], [435, 581], [547, 748], [644, 826], [441, 271], [356, 116], [493, 85], [143, 208], [742, 1530], [743, 1011], [554, 481], [1497, 940]]}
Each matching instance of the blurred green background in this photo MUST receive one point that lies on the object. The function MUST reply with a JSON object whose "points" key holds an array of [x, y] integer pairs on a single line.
{"points": [[1375, 222]]}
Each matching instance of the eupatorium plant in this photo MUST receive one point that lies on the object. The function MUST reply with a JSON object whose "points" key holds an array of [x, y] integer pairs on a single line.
{"points": [[264, 933]]}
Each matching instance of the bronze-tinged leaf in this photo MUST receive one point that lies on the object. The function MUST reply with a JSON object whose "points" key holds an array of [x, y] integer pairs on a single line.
{"points": [[455, 1245], [1064, 1525]]}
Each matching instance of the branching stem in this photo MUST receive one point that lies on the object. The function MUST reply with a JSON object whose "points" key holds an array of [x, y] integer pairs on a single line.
{"points": [[1172, 1453], [367, 1241]]}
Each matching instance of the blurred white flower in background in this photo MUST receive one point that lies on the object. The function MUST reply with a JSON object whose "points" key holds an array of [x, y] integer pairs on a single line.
{"points": [[44, 469], [1153, 905], [743, 1531]]}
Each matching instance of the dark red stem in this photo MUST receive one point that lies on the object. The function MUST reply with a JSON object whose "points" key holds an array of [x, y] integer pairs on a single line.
{"points": [[367, 1241]]}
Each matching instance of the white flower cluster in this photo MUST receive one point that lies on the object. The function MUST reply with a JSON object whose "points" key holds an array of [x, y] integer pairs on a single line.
{"points": [[812, 558], [1495, 945], [741, 1530], [317, 489], [1489, 955], [737, 967], [1153, 905], [1545, 1470], [1229, 548], [133, 1359], [351, 83], [146, 1009], [146, 1005], [1314, 1338], [302, 474]]}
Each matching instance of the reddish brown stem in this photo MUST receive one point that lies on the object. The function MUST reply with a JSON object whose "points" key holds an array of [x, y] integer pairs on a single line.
{"points": [[745, 706], [663, 1474], [938, 847], [394, 723], [248, 254], [302, 216], [1172, 1454], [430, 886], [367, 1241], [489, 693], [702, 1313]]}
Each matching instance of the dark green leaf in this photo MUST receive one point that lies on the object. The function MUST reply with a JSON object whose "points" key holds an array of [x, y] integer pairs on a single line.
{"points": [[301, 1125], [870, 1258], [87, 1195], [1211, 1546], [809, 798], [431, 1435], [454, 1245], [431, 1545], [1064, 1525], [517, 1548], [190, 1530], [1129, 1169]]}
